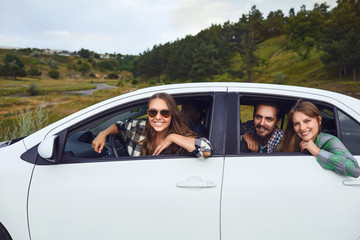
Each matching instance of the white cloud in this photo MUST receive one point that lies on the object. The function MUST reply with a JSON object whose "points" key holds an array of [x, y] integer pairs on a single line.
{"points": [[192, 16]]}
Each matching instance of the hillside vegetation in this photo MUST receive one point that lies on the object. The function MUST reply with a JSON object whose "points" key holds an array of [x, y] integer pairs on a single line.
{"points": [[235, 50]]}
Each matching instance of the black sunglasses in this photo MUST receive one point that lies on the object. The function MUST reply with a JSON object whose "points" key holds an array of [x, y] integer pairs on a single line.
{"points": [[153, 112]]}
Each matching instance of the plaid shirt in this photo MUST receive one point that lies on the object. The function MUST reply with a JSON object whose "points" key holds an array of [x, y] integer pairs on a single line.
{"points": [[274, 140], [335, 156], [134, 132]]}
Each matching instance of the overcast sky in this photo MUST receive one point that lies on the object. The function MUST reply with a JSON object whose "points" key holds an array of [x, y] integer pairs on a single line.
{"points": [[121, 26]]}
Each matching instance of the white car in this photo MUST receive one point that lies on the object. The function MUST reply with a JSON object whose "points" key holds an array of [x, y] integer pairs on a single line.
{"points": [[70, 192]]}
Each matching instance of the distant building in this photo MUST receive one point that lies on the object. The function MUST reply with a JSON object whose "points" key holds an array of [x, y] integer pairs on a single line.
{"points": [[104, 56], [58, 52]]}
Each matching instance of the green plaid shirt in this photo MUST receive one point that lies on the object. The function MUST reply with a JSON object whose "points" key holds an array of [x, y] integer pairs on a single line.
{"points": [[335, 156]]}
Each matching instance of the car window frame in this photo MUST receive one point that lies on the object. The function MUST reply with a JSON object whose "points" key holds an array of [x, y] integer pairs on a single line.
{"points": [[110, 113], [232, 140]]}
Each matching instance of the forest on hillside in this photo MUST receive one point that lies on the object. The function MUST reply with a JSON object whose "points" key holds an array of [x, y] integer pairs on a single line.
{"points": [[335, 32]]}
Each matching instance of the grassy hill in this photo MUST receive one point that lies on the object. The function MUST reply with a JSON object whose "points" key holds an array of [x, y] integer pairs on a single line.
{"points": [[280, 64], [301, 68]]}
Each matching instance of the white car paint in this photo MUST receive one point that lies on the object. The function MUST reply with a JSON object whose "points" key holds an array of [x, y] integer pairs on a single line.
{"points": [[134, 200], [287, 197]]}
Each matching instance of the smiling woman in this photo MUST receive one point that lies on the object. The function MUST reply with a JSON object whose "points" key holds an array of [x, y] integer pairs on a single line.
{"points": [[163, 132], [303, 134]]}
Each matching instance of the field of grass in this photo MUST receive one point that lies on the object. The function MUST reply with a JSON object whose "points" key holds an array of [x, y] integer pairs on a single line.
{"points": [[58, 105]]}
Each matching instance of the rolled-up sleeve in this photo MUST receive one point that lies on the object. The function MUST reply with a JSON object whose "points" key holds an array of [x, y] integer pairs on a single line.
{"points": [[202, 145]]}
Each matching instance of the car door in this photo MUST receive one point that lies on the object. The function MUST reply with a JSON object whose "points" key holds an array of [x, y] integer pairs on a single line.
{"points": [[164, 197], [285, 196]]}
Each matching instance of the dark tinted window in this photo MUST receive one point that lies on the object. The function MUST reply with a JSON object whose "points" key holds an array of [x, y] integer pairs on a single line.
{"points": [[350, 133]]}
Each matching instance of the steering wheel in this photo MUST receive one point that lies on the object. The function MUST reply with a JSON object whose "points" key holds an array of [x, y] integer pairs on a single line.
{"points": [[118, 145]]}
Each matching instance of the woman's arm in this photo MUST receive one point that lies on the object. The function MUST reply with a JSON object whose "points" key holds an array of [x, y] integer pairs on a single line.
{"points": [[335, 156], [99, 142], [201, 147]]}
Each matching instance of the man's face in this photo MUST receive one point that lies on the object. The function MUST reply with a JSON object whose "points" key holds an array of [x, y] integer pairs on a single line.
{"points": [[190, 112], [265, 122]]}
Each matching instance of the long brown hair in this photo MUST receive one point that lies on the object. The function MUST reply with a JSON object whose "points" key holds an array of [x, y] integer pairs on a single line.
{"points": [[291, 141], [176, 126]]}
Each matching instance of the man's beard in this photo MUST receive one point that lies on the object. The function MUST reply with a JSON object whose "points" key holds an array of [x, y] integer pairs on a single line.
{"points": [[263, 139]]}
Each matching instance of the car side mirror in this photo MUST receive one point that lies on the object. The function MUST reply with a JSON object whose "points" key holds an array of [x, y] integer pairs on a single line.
{"points": [[48, 148]]}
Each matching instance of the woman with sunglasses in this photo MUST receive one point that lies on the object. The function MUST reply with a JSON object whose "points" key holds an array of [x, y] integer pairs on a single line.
{"points": [[303, 135], [163, 132]]}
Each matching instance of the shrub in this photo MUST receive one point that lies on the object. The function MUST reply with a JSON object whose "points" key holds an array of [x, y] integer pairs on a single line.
{"points": [[84, 67], [112, 76], [279, 78], [35, 53], [27, 122], [33, 90], [52, 63], [120, 84], [71, 66], [134, 82], [54, 74], [92, 75]]}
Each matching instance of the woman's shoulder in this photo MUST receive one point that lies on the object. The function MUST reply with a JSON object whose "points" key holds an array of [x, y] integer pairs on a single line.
{"points": [[132, 123], [137, 123], [324, 138]]}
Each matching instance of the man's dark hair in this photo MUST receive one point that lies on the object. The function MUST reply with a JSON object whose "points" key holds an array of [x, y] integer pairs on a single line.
{"points": [[195, 103], [270, 104]]}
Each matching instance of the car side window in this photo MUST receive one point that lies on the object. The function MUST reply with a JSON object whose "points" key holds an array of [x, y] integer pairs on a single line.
{"points": [[79, 141], [248, 103], [350, 132]]}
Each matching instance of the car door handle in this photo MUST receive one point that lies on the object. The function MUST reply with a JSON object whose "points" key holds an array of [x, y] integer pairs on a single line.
{"points": [[351, 182], [196, 184]]}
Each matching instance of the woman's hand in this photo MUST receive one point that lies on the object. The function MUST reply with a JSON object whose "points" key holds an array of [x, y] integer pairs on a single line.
{"points": [[99, 142], [163, 145], [310, 146], [185, 142]]}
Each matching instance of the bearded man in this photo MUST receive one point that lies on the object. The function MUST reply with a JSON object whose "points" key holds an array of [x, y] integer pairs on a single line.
{"points": [[262, 134]]}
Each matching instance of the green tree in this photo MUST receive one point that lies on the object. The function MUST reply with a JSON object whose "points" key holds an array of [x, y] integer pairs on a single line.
{"points": [[34, 72], [205, 65], [275, 23], [84, 53], [13, 66], [84, 67], [252, 28], [306, 26], [341, 38]]}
